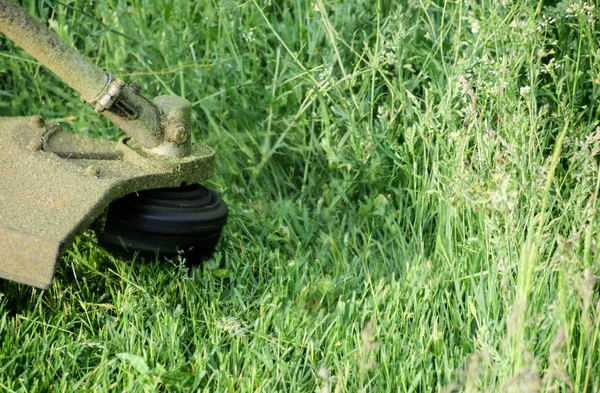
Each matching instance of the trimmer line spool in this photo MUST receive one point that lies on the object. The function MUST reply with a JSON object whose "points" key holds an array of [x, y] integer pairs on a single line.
{"points": [[184, 221]]}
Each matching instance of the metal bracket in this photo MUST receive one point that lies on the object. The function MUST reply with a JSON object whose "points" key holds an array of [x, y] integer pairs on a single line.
{"points": [[106, 98]]}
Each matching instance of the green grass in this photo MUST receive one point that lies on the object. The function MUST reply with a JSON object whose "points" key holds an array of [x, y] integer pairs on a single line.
{"points": [[413, 201]]}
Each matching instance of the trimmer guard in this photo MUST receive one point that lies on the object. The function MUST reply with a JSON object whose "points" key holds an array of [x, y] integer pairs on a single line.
{"points": [[54, 184]]}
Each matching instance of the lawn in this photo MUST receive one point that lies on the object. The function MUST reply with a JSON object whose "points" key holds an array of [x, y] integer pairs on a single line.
{"points": [[413, 190]]}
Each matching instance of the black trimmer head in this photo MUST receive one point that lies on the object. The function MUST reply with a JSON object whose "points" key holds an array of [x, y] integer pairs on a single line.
{"points": [[185, 221]]}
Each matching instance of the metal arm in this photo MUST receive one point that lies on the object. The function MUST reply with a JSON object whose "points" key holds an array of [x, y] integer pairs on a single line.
{"points": [[161, 126]]}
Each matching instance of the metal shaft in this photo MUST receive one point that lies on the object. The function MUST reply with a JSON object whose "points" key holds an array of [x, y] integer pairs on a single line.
{"points": [[77, 71], [81, 74]]}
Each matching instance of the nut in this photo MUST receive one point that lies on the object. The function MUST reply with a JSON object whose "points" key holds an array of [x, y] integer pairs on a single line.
{"points": [[177, 133]]}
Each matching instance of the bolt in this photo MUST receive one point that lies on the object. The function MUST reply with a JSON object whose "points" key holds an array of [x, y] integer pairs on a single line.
{"points": [[35, 145], [37, 121], [177, 133], [92, 171]]}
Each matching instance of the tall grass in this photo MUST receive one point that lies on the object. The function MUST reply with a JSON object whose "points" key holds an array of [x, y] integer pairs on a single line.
{"points": [[412, 190]]}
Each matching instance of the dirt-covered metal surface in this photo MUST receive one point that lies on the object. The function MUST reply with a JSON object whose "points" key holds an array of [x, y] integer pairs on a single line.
{"points": [[47, 199]]}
